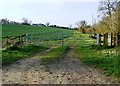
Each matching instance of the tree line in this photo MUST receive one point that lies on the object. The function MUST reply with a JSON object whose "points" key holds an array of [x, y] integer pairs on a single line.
{"points": [[110, 21], [26, 21], [109, 18]]}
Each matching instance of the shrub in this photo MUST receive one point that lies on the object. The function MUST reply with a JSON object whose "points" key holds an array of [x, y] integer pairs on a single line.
{"points": [[13, 47]]}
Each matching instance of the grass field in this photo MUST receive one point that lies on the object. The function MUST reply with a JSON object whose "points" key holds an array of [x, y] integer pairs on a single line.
{"points": [[16, 30], [37, 34]]}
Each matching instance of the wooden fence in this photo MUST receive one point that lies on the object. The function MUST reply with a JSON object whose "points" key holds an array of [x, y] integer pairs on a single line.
{"points": [[19, 40], [108, 39], [102, 39], [13, 40]]}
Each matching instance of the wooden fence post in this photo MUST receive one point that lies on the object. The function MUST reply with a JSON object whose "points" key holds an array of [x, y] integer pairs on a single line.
{"points": [[111, 44], [98, 39], [106, 39], [116, 42], [114, 38], [7, 42], [19, 38], [118, 39]]}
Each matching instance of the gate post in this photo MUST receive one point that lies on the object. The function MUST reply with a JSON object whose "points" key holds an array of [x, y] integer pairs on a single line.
{"points": [[27, 37], [98, 39], [106, 39], [111, 44], [118, 39], [114, 38]]}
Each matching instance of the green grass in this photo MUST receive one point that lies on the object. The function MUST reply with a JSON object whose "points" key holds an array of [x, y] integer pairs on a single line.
{"points": [[18, 29], [54, 55], [105, 59], [15, 53], [78, 39], [37, 34]]}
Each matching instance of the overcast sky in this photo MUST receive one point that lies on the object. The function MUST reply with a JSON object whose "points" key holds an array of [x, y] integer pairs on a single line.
{"points": [[59, 12]]}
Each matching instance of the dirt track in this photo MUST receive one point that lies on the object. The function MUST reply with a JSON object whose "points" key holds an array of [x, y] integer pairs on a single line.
{"points": [[68, 70]]}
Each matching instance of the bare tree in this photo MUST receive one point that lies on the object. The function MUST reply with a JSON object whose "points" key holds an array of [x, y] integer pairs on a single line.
{"points": [[30, 21], [26, 21], [70, 25], [107, 8], [4, 21], [47, 23], [82, 25]]}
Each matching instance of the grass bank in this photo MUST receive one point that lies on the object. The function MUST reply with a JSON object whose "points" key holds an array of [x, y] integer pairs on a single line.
{"points": [[15, 53], [105, 59]]}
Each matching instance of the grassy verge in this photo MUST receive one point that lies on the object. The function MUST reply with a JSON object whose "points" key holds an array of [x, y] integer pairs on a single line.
{"points": [[106, 59], [14, 53], [54, 54]]}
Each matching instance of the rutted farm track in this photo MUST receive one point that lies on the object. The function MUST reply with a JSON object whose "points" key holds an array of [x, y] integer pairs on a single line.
{"points": [[68, 70]]}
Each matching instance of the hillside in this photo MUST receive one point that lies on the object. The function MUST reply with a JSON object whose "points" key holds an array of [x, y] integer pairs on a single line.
{"points": [[17, 29]]}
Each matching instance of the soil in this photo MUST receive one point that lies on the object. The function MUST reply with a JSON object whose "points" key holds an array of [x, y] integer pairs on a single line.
{"points": [[68, 70]]}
